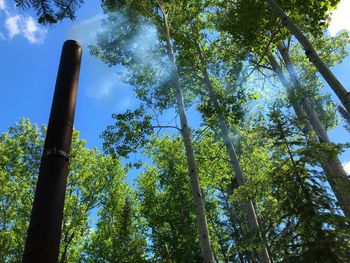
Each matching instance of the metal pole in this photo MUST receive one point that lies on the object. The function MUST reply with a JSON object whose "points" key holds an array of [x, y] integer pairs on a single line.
{"points": [[44, 232]]}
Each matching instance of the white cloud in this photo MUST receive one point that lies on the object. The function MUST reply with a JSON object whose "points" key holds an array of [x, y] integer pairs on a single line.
{"points": [[32, 32], [12, 25], [347, 167], [2, 5], [340, 18], [26, 27], [20, 25]]}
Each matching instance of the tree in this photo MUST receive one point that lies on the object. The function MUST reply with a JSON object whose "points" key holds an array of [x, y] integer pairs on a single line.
{"points": [[311, 53], [307, 220], [195, 59], [20, 149], [50, 13], [167, 206], [159, 14], [117, 237], [337, 177], [346, 117], [264, 30], [20, 160]]}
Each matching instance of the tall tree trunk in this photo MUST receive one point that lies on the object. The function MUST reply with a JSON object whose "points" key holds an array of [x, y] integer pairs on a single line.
{"points": [[232, 218], [301, 115], [335, 172], [310, 52], [204, 238], [252, 219], [299, 111], [325, 252], [219, 238], [67, 240], [344, 114]]}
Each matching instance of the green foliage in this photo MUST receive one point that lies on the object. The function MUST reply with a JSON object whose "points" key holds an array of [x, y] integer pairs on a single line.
{"points": [[167, 206], [309, 218], [50, 13], [118, 237], [137, 43], [231, 107], [20, 153], [262, 28], [218, 44], [333, 51], [293, 204], [90, 175], [129, 133]]}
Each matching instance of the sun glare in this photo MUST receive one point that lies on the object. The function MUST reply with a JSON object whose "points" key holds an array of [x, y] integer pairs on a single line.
{"points": [[340, 18]]}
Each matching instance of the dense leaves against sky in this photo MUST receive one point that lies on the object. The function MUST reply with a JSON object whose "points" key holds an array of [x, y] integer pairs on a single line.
{"points": [[270, 185], [50, 12]]}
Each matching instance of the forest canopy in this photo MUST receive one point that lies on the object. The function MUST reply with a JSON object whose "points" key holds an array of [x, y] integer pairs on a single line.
{"points": [[259, 180]]}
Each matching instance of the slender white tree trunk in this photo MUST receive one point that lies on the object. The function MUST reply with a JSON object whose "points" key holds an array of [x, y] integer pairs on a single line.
{"points": [[310, 52], [335, 172], [308, 128], [299, 111], [204, 238], [344, 113], [337, 176], [252, 220]]}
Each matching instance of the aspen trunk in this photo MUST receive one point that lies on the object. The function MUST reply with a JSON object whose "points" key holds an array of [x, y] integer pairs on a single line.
{"points": [[344, 114], [204, 238], [333, 168], [325, 251], [233, 221], [299, 111], [252, 219], [310, 52], [301, 115], [335, 172]]}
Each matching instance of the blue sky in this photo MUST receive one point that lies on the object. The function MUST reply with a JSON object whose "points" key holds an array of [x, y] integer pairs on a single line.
{"points": [[29, 61], [28, 68]]}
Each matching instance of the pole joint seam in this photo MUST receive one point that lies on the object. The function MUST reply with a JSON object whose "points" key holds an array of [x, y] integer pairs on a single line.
{"points": [[60, 122], [55, 151]]}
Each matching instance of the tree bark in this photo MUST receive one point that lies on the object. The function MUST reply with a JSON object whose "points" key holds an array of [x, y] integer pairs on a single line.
{"points": [[220, 241], [344, 114], [325, 252], [299, 111], [332, 167], [204, 237], [310, 52], [252, 219], [233, 221]]}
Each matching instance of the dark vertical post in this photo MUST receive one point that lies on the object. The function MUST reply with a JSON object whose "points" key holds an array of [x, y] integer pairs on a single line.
{"points": [[44, 232]]}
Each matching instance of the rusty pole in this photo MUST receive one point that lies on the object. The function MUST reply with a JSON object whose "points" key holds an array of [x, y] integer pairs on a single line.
{"points": [[44, 232]]}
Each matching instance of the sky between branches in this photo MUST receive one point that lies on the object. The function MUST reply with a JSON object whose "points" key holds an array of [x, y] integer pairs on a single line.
{"points": [[29, 60]]}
